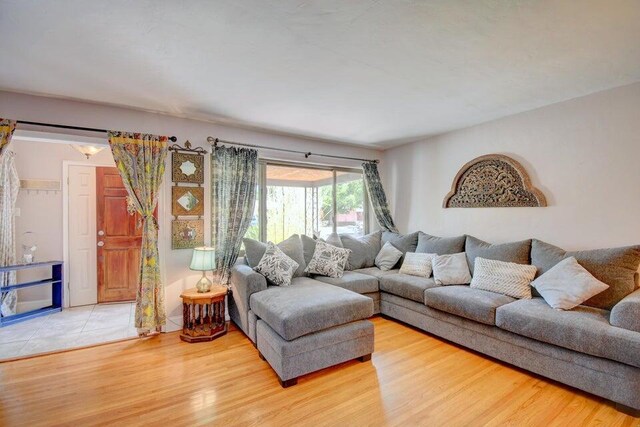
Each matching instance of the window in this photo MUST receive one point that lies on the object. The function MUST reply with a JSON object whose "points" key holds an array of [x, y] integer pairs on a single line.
{"points": [[300, 199]]}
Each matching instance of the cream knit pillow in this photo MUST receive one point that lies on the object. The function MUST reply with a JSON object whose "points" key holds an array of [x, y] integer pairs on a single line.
{"points": [[417, 264], [507, 278]]}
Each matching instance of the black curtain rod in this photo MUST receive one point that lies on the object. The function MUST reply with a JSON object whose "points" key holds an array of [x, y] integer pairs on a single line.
{"points": [[25, 122], [215, 141]]}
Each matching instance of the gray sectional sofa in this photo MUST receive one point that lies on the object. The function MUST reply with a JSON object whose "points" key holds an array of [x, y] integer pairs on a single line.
{"points": [[594, 347]]}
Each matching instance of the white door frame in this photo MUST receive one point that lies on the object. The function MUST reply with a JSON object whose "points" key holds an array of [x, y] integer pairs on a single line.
{"points": [[65, 219], [65, 222]]}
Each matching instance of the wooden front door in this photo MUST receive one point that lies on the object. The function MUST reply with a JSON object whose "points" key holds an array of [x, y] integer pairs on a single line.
{"points": [[119, 239]]}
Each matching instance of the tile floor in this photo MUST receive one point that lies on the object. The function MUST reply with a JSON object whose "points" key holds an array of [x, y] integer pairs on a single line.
{"points": [[72, 327]]}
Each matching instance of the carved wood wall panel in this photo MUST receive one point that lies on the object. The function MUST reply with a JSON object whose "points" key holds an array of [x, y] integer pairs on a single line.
{"points": [[493, 181]]}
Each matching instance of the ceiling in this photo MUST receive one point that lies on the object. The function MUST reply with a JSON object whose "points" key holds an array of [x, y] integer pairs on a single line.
{"points": [[370, 72]]}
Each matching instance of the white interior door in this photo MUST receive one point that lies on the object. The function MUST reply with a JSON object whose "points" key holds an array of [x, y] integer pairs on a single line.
{"points": [[83, 279]]}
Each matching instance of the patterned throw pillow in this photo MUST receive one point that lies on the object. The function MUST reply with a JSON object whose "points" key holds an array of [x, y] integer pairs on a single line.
{"points": [[417, 264], [507, 278], [276, 266], [328, 260]]}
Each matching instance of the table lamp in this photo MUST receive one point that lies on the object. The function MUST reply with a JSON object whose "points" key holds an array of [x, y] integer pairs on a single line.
{"points": [[203, 259]]}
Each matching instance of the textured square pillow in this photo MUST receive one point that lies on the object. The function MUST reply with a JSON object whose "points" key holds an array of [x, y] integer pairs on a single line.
{"points": [[567, 285], [417, 264], [617, 267], [516, 252], [507, 278], [388, 257], [451, 269], [363, 249], [276, 266], [292, 247], [328, 260], [440, 245], [309, 244]]}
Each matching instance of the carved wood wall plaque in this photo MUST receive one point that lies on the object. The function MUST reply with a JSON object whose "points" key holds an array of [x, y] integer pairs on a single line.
{"points": [[493, 181]]}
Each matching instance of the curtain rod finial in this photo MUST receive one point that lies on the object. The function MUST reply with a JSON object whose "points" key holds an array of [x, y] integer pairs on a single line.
{"points": [[211, 140]]}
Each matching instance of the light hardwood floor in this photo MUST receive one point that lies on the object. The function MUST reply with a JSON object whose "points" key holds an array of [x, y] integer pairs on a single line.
{"points": [[412, 379]]}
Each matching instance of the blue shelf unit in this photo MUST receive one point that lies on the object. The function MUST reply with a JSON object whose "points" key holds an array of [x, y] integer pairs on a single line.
{"points": [[55, 281]]}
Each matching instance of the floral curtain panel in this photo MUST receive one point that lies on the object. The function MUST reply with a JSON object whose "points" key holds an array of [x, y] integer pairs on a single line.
{"points": [[377, 196], [7, 127], [9, 186], [234, 173], [140, 159]]}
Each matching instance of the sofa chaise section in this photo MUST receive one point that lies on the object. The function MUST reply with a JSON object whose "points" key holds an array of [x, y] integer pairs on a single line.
{"points": [[303, 308], [310, 326]]}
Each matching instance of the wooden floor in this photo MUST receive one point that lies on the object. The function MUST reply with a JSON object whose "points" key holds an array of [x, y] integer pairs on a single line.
{"points": [[412, 379]]}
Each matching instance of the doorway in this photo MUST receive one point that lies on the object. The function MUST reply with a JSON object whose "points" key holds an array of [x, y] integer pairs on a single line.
{"points": [[104, 239]]}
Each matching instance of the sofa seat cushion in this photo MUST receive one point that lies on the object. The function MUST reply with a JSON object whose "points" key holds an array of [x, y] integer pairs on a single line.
{"points": [[308, 306], [353, 281], [584, 329], [463, 301], [376, 272], [406, 286]]}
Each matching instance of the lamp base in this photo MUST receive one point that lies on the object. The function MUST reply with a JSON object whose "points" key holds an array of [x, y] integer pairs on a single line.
{"points": [[204, 284]]}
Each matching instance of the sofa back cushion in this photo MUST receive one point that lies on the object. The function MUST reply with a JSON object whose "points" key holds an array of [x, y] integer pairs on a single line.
{"points": [[292, 247], [428, 244], [363, 249], [402, 242], [516, 252], [616, 267]]}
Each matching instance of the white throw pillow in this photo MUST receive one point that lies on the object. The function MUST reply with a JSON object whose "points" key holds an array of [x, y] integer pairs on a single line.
{"points": [[328, 260], [276, 266], [417, 264], [568, 284], [507, 278], [388, 257], [451, 269]]}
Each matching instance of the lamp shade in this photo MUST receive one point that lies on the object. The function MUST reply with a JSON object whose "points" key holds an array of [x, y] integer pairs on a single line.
{"points": [[203, 259]]}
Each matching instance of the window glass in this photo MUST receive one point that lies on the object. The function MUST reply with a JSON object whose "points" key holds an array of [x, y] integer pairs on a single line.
{"points": [[350, 202], [300, 200], [295, 202]]}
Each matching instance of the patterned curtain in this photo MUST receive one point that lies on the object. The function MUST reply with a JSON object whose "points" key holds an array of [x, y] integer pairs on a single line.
{"points": [[377, 196], [140, 160], [7, 127], [234, 173], [9, 186]]}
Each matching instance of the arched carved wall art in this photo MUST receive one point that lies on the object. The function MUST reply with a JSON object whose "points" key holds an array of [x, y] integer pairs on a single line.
{"points": [[493, 181]]}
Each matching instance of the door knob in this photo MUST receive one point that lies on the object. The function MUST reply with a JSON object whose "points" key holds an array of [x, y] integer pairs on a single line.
{"points": [[100, 233], [101, 243]]}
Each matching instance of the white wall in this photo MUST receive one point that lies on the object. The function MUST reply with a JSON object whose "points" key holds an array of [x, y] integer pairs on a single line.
{"points": [[583, 154], [176, 273]]}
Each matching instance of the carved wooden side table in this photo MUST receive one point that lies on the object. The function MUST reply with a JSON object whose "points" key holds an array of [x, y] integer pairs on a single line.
{"points": [[203, 314]]}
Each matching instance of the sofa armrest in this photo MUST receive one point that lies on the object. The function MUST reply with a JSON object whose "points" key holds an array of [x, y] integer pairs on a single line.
{"points": [[244, 282], [626, 313]]}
